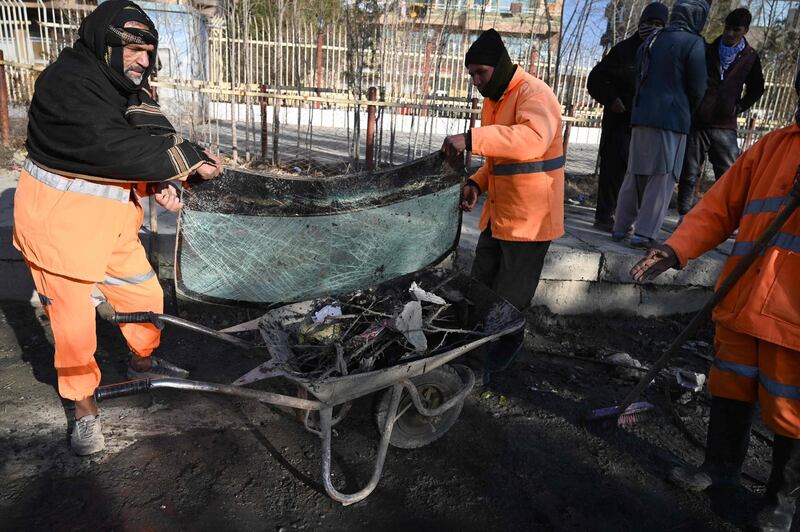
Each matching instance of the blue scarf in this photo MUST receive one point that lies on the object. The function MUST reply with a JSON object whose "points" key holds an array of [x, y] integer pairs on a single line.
{"points": [[727, 54]]}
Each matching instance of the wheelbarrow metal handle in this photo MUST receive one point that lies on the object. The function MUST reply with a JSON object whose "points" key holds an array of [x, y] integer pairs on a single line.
{"points": [[122, 389], [108, 313], [143, 385]]}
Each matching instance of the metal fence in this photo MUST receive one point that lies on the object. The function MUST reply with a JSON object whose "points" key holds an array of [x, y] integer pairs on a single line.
{"points": [[278, 89]]}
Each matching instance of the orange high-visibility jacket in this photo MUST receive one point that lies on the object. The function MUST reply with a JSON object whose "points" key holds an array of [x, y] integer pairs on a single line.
{"points": [[69, 226], [520, 136], [765, 303]]}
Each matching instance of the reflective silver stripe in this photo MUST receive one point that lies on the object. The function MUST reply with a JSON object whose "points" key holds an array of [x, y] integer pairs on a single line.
{"points": [[779, 390], [785, 241], [529, 168], [772, 204], [136, 279], [74, 184], [751, 372]]}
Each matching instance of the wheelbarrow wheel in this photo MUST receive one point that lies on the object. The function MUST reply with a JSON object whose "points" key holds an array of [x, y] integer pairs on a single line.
{"points": [[413, 430]]}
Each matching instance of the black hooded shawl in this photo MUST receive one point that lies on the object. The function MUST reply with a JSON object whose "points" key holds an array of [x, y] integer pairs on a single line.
{"points": [[687, 15], [88, 120]]}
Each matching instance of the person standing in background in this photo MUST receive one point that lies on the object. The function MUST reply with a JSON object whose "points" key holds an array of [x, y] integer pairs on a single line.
{"points": [[672, 82], [735, 84], [612, 82]]}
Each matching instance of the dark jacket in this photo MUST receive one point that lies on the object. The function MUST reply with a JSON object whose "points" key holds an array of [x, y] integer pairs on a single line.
{"points": [[615, 77], [672, 71], [723, 99]]}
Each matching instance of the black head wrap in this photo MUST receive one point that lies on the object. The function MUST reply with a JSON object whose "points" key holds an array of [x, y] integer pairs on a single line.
{"points": [[88, 120], [104, 35], [489, 50], [118, 36], [655, 11]]}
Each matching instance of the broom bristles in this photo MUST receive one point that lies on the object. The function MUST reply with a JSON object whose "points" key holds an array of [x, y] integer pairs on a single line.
{"points": [[635, 413]]}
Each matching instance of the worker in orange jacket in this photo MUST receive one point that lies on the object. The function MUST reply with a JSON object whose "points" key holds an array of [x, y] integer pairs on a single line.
{"points": [[522, 177], [757, 342], [97, 143]]}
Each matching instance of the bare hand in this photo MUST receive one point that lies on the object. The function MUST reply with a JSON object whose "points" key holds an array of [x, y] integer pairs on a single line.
{"points": [[209, 171], [469, 197], [659, 259], [454, 145], [167, 197], [617, 106]]}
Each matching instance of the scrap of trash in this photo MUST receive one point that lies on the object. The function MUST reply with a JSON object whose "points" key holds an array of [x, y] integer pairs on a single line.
{"points": [[368, 330]]}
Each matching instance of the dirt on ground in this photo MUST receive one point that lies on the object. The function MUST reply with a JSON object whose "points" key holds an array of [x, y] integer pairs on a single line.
{"points": [[519, 457]]}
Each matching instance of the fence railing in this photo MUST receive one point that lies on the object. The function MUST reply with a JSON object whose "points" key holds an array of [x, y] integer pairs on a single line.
{"points": [[293, 75]]}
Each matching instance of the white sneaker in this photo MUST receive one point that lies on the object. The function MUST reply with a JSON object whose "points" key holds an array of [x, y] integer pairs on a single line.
{"points": [[87, 436]]}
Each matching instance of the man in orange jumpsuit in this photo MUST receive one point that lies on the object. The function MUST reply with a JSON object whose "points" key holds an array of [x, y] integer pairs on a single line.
{"points": [[522, 176], [757, 341], [97, 143]]}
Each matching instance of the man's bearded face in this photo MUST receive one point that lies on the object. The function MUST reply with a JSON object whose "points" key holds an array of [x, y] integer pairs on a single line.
{"points": [[136, 57]]}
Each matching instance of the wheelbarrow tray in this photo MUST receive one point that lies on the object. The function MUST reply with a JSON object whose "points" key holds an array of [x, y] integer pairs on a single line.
{"points": [[492, 316]]}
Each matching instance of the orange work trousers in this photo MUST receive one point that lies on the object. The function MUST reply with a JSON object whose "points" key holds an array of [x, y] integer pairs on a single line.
{"points": [[130, 285], [749, 369]]}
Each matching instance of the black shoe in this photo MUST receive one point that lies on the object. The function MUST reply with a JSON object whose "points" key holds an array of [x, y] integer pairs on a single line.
{"points": [[605, 225], [697, 479], [159, 368], [782, 487], [726, 447], [502, 352]]}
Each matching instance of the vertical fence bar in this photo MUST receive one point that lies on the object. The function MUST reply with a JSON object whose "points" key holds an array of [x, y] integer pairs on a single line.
{"points": [[5, 123], [568, 128], [748, 139], [426, 75], [473, 106], [320, 67], [372, 95], [276, 112], [264, 140]]}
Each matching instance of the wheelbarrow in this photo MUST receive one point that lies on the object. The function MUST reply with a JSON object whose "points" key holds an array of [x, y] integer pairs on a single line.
{"points": [[420, 400], [257, 239]]}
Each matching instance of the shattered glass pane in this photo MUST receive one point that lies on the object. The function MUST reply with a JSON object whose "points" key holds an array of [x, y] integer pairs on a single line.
{"points": [[262, 238]]}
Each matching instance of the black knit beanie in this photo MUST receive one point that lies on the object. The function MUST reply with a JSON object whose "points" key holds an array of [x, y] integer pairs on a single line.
{"points": [[489, 50], [486, 50]]}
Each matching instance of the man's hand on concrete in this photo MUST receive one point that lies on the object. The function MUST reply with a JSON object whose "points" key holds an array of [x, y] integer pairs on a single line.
{"points": [[209, 171], [454, 145], [659, 259], [167, 196], [617, 106], [469, 197]]}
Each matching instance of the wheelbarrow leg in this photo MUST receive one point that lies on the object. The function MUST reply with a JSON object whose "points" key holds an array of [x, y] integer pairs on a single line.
{"points": [[326, 422]]}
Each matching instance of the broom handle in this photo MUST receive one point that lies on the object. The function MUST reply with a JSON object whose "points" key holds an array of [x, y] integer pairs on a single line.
{"points": [[725, 287]]}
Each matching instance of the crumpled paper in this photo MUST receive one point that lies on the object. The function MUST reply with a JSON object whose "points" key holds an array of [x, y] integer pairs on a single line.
{"points": [[421, 295], [409, 323]]}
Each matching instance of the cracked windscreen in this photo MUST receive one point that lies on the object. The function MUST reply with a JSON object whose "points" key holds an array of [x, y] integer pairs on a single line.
{"points": [[266, 238]]}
